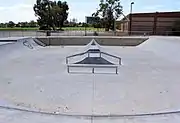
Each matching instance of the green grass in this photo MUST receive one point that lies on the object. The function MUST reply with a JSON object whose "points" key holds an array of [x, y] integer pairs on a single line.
{"points": [[64, 28], [83, 28], [18, 29]]}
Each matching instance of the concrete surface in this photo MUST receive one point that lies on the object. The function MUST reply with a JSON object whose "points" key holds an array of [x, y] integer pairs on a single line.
{"points": [[36, 80]]}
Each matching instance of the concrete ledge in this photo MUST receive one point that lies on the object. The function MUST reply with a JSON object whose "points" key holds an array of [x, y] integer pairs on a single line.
{"points": [[83, 40]]}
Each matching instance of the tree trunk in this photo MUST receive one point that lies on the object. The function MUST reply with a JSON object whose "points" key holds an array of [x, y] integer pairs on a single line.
{"points": [[106, 29], [108, 26], [54, 27]]}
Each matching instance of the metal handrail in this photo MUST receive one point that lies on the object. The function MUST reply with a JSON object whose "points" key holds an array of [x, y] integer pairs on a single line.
{"points": [[87, 52], [92, 66], [112, 56], [79, 54]]}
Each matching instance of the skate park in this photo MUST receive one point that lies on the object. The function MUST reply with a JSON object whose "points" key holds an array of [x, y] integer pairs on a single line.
{"points": [[35, 81]]}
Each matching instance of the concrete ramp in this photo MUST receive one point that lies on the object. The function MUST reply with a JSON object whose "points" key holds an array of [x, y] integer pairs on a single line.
{"points": [[166, 47], [15, 47]]}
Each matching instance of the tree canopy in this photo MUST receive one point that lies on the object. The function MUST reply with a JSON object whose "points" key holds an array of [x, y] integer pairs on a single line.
{"points": [[11, 24], [109, 10], [51, 14]]}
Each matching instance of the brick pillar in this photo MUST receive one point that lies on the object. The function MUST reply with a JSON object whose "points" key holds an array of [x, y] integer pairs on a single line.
{"points": [[130, 24], [155, 23]]}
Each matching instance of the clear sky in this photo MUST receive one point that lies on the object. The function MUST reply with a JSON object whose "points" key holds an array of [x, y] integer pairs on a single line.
{"points": [[22, 10]]}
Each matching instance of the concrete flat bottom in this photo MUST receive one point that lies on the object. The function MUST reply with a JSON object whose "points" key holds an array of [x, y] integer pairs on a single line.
{"points": [[147, 82]]}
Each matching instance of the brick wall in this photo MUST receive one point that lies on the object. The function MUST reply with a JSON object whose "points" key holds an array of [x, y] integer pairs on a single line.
{"points": [[152, 23]]}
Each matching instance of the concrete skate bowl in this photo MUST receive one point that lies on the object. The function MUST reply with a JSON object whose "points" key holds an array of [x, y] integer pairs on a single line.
{"points": [[102, 40], [36, 80]]}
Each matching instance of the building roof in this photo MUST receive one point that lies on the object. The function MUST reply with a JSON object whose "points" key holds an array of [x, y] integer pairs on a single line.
{"points": [[158, 14]]}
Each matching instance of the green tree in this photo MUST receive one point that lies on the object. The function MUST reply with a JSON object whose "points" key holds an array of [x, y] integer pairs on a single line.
{"points": [[24, 24], [11, 24], [62, 13], [109, 10], [32, 24], [51, 14], [3, 25], [18, 24]]}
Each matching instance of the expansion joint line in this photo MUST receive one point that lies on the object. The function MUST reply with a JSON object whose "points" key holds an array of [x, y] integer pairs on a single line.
{"points": [[93, 97]]}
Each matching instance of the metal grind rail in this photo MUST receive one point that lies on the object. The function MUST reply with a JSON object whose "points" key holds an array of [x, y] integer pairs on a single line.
{"points": [[92, 66], [87, 52]]}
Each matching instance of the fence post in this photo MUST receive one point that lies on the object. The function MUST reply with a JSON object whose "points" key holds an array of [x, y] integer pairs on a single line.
{"points": [[68, 69], [116, 70], [85, 31], [93, 70], [119, 61], [66, 60]]}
